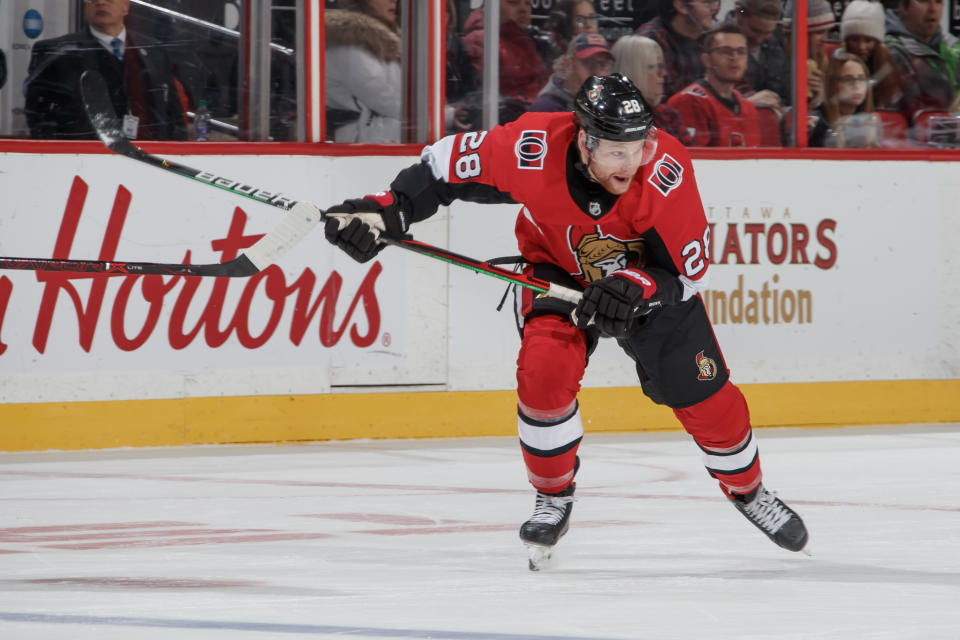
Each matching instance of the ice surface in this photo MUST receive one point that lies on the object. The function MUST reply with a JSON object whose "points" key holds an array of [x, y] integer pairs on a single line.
{"points": [[418, 539]]}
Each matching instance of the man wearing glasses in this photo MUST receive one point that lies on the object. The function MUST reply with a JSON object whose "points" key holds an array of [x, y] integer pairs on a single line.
{"points": [[767, 80], [676, 29], [138, 74], [716, 112]]}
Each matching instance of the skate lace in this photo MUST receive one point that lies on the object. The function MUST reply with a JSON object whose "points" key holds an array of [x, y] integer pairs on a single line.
{"points": [[550, 509], [767, 511]]}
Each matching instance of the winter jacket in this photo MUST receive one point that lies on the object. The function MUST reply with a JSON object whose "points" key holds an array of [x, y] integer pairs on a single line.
{"points": [[362, 78], [929, 71], [522, 71]]}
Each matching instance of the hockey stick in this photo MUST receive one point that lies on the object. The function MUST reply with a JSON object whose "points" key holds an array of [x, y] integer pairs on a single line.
{"points": [[301, 218], [105, 121]]}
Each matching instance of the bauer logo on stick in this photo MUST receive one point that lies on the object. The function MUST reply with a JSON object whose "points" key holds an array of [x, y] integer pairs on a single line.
{"points": [[246, 189]]}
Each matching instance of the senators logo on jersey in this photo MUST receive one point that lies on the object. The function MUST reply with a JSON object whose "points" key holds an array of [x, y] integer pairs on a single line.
{"points": [[706, 366], [530, 149], [599, 256], [667, 174]]}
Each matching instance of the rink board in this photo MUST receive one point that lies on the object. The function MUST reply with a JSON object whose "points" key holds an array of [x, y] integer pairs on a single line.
{"points": [[834, 305], [257, 419]]}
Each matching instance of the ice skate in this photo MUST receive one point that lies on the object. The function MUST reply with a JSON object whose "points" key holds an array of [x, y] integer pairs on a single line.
{"points": [[549, 522], [768, 512]]}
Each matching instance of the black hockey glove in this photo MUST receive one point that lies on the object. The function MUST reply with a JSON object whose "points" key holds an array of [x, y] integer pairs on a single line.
{"points": [[615, 302], [356, 225]]}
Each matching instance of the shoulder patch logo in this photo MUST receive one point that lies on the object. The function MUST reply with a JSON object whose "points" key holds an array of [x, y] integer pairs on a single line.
{"points": [[706, 366], [667, 174], [530, 149]]}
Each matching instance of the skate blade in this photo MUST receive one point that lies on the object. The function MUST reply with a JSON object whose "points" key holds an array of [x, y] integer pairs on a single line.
{"points": [[539, 556]]}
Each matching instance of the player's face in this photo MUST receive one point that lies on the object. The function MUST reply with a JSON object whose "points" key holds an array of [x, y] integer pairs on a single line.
{"points": [[860, 46], [518, 11], [727, 57], [922, 17], [614, 164], [106, 15], [852, 85]]}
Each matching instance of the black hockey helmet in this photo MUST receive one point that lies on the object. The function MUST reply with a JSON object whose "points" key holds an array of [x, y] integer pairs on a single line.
{"points": [[612, 108]]}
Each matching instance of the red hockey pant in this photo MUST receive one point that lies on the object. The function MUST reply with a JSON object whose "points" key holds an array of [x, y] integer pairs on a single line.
{"points": [[549, 370]]}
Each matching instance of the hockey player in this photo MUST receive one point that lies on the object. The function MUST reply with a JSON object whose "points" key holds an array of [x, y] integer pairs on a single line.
{"points": [[609, 206]]}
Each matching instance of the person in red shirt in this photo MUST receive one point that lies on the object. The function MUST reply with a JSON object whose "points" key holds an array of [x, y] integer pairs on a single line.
{"points": [[718, 114], [522, 71], [627, 227]]}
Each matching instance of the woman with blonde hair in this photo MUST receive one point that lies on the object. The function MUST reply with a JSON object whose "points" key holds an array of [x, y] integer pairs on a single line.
{"points": [[846, 117], [641, 60]]}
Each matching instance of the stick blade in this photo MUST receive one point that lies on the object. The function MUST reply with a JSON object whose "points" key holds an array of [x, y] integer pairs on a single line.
{"points": [[103, 117]]}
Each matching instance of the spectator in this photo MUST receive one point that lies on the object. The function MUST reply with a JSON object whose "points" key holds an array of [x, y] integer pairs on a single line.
{"points": [[716, 112], [137, 72], [767, 81], [820, 21], [641, 60], [929, 59], [570, 19], [588, 55], [845, 119], [862, 33], [363, 72], [522, 70], [677, 30], [462, 82]]}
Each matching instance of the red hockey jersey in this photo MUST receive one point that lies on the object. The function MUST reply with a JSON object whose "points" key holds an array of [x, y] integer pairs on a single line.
{"points": [[713, 123], [567, 219]]}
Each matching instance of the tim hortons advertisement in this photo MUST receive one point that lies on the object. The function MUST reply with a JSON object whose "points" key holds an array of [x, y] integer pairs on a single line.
{"points": [[312, 321], [821, 271]]}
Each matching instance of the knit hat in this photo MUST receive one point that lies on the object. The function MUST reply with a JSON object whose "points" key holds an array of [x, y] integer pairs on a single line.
{"points": [[586, 45], [819, 16], [864, 18]]}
